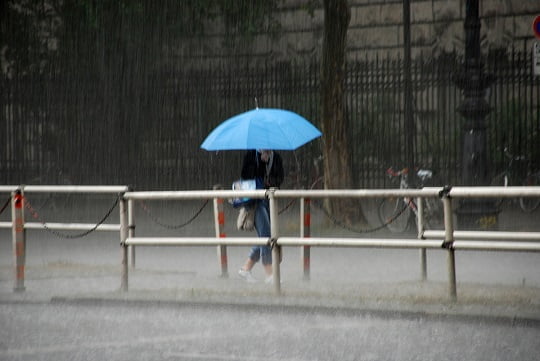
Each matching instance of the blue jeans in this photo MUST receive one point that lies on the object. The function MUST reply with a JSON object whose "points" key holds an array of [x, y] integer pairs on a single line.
{"points": [[262, 225]]}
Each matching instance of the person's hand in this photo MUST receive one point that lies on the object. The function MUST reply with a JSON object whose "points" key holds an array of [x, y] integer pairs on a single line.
{"points": [[265, 155]]}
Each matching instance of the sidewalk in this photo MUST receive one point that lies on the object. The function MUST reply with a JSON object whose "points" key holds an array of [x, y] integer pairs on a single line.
{"points": [[88, 283]]}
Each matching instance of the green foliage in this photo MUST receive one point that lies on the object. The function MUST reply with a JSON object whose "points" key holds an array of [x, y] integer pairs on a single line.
{"points": [[26, 28], [243, 18], [247, 18], [311, 5]]}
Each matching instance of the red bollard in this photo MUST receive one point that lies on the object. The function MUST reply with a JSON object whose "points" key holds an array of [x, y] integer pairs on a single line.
{"points": [[219, 220], [305, 232], [19, 239]]}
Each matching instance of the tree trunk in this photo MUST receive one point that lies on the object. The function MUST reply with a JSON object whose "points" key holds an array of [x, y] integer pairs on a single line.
{"points": [[334, 122]]}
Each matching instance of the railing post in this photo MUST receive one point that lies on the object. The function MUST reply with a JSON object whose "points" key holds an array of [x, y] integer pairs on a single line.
{"points": [[19, 239], [449, 243], [305, 231], [124, 248], [274, 234], [219, 224], [421, 228], [131, 230]]}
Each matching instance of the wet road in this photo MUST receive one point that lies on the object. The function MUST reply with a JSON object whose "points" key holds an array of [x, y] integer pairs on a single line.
{"points": [[120, 331]]}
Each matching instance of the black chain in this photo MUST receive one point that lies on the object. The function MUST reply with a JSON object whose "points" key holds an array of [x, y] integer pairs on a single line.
{"points": [[284, 209], [5, 205], [46, 203], [355, 230], [36, 216], [171, 226]]}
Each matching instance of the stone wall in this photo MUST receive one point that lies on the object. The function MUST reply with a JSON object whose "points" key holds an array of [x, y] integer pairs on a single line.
{"points": [[376, 29]]}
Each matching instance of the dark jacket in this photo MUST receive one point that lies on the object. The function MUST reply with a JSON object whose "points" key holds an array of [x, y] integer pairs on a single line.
{"points": [[253, 167]]}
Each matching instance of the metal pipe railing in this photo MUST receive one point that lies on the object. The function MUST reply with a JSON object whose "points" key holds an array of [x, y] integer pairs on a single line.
{"points": [[420, 231], [219, 227], [18, 240], [274, 235], [73, 226], [73, 189], [448, 239], [447, 243], [8, 189], [196, 241], [497, 246], [484, 235], [66, 226], [190, 195], [19, 226], [305, 232], [494, 192], [359, 242], [124, 234], [432, 192]]}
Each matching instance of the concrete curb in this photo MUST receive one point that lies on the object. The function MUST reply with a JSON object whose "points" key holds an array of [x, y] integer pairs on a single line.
{"points": [[498, 304], [387, 310]]}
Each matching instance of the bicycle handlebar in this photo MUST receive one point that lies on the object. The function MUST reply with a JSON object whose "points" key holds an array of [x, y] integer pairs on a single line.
{"points": [[421, 173], [390, 172], [510, 156]]}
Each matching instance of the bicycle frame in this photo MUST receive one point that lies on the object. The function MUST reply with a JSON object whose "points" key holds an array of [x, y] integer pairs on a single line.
{"points": [[389, 214], [510, 176]]}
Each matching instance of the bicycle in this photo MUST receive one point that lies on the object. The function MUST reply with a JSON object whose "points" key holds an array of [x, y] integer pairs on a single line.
{"points": [[514, 175], [397, 213]]}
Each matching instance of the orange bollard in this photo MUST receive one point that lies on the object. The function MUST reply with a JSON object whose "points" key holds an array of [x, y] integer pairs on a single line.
{"points": [[19, 239]]}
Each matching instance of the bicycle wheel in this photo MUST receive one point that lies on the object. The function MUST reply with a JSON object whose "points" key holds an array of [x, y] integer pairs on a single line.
{"points": [[433, 213], [395, 214], [500, 180], [529, 204]]}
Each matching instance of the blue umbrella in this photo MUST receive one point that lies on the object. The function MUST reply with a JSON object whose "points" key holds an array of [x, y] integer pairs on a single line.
{"points": [[262, 129]]}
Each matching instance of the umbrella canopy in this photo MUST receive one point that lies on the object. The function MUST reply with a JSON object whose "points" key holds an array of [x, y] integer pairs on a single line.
{"points": [[262, 129]]}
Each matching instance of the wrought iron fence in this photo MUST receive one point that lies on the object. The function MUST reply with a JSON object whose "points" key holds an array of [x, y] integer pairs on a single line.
{"points": [[144, 127]]}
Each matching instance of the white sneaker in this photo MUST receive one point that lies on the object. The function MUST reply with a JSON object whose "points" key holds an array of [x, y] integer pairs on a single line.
{"points": [[270, 280], [246, 276]]}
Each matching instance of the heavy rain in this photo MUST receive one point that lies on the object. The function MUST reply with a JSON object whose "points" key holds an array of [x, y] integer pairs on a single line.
{"points": [[106, 104]]}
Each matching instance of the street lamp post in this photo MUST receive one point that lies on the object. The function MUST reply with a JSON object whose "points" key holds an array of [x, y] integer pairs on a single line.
{"points": [[410, 131], [473, 82]]}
